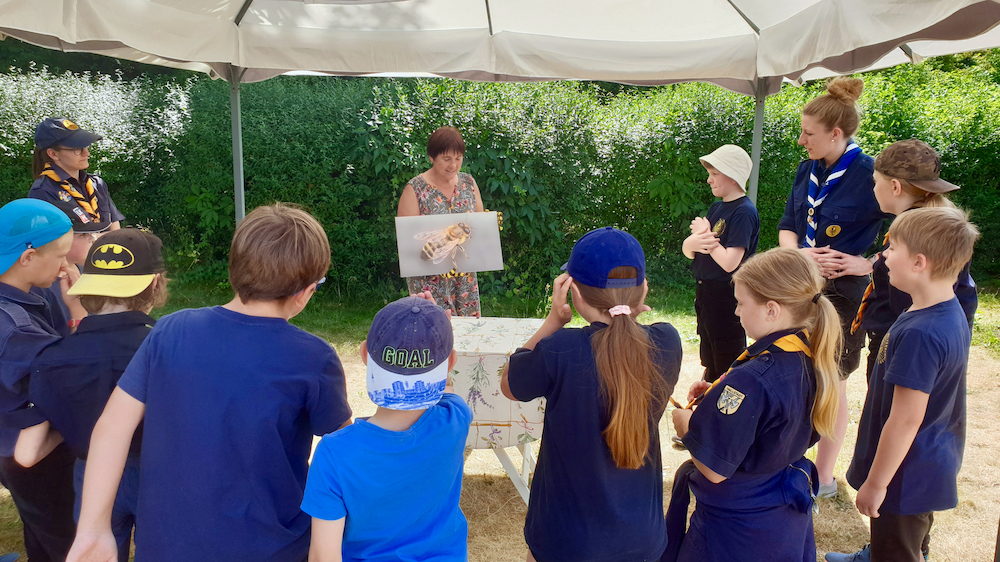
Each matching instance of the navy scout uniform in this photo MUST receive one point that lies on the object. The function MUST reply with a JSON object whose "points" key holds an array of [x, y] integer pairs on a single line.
{"points": [[722, 337], [848, 221], [88, 192], [753, 427]]}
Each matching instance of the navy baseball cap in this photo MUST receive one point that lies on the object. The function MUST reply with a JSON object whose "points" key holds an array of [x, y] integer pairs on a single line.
{"points": [[28, 223], [408, 347], [599, 251], [58, 131]]}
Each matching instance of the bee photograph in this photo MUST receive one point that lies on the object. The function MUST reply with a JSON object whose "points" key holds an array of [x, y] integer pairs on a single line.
{"points": [[434, 244]]}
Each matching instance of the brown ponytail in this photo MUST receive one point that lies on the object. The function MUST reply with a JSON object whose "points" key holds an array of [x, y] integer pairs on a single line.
{"points": [[630, 379], [39, 160], [793, 280]]}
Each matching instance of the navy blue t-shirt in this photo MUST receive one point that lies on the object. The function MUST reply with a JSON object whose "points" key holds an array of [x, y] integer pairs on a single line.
{"points": [[232, 402], [28, 324], [737, 226], [73, 378], [583, 507], [758, 420], [46, 189], [886, 303], [849, 217], [926, 350]]}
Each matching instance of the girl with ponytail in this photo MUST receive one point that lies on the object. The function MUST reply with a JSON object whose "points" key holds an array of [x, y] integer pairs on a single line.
{"points": [[753, 485], [597, 493]]}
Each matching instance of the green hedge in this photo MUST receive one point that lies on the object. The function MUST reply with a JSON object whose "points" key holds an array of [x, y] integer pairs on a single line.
{"points": [[556, 158]]}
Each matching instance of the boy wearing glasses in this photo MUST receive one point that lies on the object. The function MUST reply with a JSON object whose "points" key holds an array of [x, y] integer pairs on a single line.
{"points": [[60, 162], [230, 398]]}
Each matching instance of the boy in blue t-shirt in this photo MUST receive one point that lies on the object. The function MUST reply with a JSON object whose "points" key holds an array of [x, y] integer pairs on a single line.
{"points": [[230, 398], [912, 431], [386, 488], [718, 244]]}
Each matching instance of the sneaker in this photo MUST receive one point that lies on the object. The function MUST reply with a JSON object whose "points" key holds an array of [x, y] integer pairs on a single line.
{"points": [[9, 557], [863, 555], [827, 490], [677, 443]]}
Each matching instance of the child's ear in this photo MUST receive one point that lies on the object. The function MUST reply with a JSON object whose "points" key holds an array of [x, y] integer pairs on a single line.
{"points": [[364, 352], [897, 188], [26, 257], [773, 310], [920, 263], [452, 359]]}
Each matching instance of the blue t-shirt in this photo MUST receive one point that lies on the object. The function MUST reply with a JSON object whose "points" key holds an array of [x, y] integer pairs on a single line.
{"points": [[398, 489], [758, 420], [232, 402], [926, 350], [848, 219], [28, 324], [582, 506], [738, 226]]}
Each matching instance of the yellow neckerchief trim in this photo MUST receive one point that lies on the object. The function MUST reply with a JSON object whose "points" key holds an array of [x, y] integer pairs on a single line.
{"points": [[90, 206], [860, 316], [790, 343]]}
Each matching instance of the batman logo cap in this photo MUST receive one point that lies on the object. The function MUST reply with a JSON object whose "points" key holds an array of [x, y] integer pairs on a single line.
{"points": [[120, 264]]}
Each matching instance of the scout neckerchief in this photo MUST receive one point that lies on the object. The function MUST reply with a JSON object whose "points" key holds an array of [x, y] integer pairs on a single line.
{"points": [[88, 203], [794, 342], [868, 291], [818, 193]]}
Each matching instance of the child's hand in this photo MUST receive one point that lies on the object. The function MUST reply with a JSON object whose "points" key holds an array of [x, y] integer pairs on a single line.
{"points": [[561, 312], [870, 498], [93, 547], [68, 276], [682, 420], [704, 242], [697, 389], [700, 225]]}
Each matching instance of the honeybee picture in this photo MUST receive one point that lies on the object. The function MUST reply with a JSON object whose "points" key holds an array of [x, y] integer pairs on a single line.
{"points": [[436, 244], [444, 243]]}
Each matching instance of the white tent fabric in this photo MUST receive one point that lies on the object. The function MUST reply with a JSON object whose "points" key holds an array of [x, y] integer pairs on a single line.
{"points": [[748, 46]]}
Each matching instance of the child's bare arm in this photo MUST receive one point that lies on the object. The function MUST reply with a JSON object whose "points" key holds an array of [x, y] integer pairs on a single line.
{"points": [[559, 315], [35, 443], [327, 540], [106, 458], [905, 416], [727, 258]]}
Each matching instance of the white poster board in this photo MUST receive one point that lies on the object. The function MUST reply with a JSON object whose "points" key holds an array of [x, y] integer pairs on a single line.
{"points": [[435, 244]]}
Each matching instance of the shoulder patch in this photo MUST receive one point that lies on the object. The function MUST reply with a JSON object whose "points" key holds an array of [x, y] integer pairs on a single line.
{"points": [[719, 228], [730, 400]]}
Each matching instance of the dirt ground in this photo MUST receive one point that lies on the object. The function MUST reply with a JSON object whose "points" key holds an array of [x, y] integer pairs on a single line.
{"points": [[968, 533]]}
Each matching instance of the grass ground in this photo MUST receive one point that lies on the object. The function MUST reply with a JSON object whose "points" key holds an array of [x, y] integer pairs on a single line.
{"points": [[496, 512]]}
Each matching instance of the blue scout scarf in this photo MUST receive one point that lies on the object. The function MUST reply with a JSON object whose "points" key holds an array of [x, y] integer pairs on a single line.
{"points": [[818, 193]]}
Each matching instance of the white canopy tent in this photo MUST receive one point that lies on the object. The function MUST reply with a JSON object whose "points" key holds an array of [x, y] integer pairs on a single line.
{"points": [[748, 46]]}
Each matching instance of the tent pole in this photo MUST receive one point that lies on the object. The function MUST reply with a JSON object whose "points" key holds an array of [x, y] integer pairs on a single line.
{"points": [[760, 93], [234, 106]]}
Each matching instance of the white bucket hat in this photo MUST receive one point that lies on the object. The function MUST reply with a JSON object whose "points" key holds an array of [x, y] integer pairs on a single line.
{"points": [[732, 161]]}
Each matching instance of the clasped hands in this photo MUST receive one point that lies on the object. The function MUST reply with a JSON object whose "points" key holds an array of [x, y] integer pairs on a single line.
{"points": [[703, 240], [834, 264]]}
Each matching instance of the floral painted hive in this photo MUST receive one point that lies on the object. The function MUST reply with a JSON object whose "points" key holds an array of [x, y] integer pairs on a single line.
{"points": [[483, 345]]}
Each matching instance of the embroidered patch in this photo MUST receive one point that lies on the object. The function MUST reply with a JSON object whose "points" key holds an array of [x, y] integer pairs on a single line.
{"points": [[883, 349], [730, 400], [70, 125], [65, 196], [832, 230], [719, 228]]}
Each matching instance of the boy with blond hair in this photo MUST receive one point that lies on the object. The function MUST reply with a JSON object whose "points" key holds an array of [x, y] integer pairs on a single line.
{"points": [[912, 431], [230, 398]]}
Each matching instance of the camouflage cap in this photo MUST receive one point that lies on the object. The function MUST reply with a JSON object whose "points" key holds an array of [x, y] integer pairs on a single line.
{"points": [[916, 162]]}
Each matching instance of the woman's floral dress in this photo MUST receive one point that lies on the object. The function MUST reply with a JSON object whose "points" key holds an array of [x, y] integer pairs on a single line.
{"points": [[454, 290]]}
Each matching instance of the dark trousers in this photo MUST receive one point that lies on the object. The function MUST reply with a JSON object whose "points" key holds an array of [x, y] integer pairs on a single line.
{"points": [[846, 294], [901, 538], [44, 498], [719, 329]]}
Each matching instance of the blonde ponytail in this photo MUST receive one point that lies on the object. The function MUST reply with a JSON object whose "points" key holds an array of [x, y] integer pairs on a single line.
{"points": [[794, 281], [630, 379]]}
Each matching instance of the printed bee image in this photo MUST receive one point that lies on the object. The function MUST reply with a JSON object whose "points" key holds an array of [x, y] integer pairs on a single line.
{"points": [[444, 243]]}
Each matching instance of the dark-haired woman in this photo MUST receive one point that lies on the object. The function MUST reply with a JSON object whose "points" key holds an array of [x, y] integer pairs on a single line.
{"points": [[439, 191], [60, 162], [832, 216]]}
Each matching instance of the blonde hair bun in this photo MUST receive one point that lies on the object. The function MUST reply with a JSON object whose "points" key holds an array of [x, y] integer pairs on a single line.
{"points": [[847, 90]]}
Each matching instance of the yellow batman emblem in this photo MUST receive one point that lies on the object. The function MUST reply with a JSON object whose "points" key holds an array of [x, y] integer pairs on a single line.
{"points": [[719, 228], [832, 230], [70, 125], [112, 256]]}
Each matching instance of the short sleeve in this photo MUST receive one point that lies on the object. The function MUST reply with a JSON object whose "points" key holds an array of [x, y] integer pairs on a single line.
{"points": [[724, 427], [742, 227], [915, 358], [135, 379], [18, 351], [327, 405], [528, 374], [323, 498]]}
